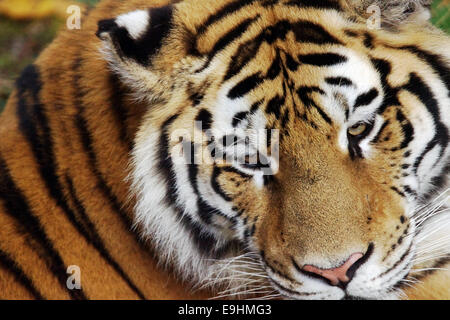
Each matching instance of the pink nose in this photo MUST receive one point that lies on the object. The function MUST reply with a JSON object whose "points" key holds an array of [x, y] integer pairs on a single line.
{"points": [[339, 275]]}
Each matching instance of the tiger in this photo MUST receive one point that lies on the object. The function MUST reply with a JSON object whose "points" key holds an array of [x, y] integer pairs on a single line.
{"points": [[228, 149]]}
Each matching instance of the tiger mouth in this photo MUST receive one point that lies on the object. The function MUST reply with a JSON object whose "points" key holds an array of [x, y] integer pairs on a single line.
{"points": [[293, 294], [391, 273]]}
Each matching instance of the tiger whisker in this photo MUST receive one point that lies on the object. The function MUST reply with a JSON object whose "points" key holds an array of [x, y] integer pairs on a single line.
{"points": [[245, 285], [267, 297], [429, 269], [422, 260]]}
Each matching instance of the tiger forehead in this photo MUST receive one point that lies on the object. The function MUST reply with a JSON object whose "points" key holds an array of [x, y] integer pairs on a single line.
{"points": [[276, 46], [281, 60], [255, 23], [261, 39], [253, 33]]}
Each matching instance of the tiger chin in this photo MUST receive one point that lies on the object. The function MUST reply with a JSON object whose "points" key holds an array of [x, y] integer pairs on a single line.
{"points": [[269, 149]]}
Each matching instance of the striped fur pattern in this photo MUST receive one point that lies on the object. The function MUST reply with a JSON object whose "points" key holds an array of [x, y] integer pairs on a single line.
{"points": [[125, 152]]}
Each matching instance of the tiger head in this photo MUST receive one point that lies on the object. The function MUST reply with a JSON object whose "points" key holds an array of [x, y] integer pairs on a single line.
{"points": [[290, 148]]}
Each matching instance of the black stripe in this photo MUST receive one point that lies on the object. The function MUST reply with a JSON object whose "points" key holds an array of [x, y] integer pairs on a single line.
{"points": [[196, 95], [441, 137], [120, 112], [43, 149], [390, 97], [303, 93], [376, 139], [316, 4], [275, 67], [9, 264], [407, 130], [274, 106], [245, 86], [291, 64], [255, 106], [401, 194], [292, 292], [306, 31], [165, 162], [17, 207], [439, 264], [87, 143], [227, 39], [278, 272], [215, 184], [351, 33], [240, 116], [88, 146], [245, 53], [123, 44], [205, 118], [285, 119], [204, 241], [411, 192], [397, 263], [339, 81], [87, 228], [321, 59], [366, 98], [435, 61], [196, 98], [417, 87], [438, 182], [368, 41], [225, 11], [204, 210], [160, 25], [34, 125], [236, 171], [142, 49]]}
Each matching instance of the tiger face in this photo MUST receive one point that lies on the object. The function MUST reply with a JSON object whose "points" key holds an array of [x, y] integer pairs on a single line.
{"points": [[288, 149]]}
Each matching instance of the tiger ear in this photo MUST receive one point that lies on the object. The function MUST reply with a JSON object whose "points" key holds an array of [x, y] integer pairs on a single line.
{"points": [[395, 13], [137, 35], [131, 44]]}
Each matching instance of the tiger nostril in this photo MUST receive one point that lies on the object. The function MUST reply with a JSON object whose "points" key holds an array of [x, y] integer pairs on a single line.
{"points": [[343, 274]]}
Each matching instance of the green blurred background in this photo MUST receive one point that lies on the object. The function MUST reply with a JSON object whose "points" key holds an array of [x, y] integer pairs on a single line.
{"points": [[22, 38]]}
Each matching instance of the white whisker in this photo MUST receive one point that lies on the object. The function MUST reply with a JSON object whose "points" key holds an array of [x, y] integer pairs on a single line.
{"points": [[429, 269]]}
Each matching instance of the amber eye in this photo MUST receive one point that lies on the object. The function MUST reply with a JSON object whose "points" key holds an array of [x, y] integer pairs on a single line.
{"points": [[357, 129]]}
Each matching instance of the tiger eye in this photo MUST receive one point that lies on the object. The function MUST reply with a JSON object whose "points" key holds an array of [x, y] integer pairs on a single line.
{"points": [[357, 129]]}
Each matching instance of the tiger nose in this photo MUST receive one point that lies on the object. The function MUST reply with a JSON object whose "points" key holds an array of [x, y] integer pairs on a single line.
{"points": [[341, 275]]}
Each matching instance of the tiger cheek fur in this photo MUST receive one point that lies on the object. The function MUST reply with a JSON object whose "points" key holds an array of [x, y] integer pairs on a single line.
{"points": [[347, 124]]}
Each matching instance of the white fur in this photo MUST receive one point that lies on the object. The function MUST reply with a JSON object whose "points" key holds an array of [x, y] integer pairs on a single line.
{"points": [[135, 22]]}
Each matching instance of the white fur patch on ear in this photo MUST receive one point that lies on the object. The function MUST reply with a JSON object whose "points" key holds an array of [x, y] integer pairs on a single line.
{"points": [[135, 22]]}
